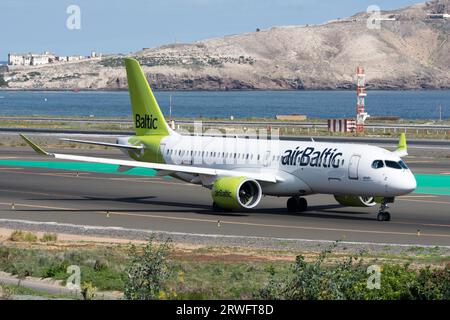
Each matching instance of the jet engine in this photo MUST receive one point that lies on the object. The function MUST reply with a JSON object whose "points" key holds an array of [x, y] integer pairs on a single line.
{"points": [[356, 201], [236, 193]]}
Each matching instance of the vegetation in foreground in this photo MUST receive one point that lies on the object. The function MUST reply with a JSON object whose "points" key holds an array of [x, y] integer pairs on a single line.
{"points": [[157, 271]]}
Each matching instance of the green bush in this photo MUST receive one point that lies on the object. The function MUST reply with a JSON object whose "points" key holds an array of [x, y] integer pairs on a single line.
{"points": [[22, 236], [88, 291], [348, 279], [148, 272], [49, 237], [55, 269]]}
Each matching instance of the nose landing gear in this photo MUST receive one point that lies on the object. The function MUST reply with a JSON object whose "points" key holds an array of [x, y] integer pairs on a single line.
{"points": [[296, 204], [384, 215]]}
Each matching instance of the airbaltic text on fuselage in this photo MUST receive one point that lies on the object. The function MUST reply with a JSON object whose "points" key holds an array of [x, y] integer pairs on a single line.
{"points": [[325, 158], [146, 122]]}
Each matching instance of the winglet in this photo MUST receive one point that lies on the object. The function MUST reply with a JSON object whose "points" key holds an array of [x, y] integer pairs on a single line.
{"points": [[402, 149], [35, 147]]}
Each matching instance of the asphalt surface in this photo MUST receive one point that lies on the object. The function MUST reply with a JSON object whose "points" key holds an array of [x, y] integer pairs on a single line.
{"points": [[154, 203]]}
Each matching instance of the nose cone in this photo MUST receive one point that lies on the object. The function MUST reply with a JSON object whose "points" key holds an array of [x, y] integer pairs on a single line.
{"points": [[410, 183], [405, 184]]}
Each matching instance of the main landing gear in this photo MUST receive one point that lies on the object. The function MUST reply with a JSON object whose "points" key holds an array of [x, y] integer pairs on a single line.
{"points": [[384, 215], [296, 204]]}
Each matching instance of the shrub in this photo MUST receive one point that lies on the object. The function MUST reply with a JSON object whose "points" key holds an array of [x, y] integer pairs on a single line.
{"points": [[5, 293], [49, 237], [22, 236], [148, 272], [54, 269], [348, 280], [88, 291]]}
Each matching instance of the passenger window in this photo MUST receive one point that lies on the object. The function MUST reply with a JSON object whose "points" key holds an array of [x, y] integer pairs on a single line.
{"points": [[377, 164], [392, 164]]}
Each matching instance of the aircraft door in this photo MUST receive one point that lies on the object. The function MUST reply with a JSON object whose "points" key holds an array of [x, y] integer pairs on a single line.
{"points": [[353, 167], [266, 160]]}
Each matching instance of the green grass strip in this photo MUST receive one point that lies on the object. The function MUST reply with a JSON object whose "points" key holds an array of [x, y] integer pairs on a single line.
{"points": [[78, 166], [437, 184]]}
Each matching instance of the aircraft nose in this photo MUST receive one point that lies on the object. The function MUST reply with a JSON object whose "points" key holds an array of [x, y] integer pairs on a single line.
{"points": [[404, 184], [410, 183]]}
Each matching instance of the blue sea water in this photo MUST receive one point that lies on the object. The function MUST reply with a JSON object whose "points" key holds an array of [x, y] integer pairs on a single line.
{"points": [[240, 104]]}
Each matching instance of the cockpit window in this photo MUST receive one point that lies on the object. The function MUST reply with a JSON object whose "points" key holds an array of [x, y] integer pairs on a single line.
{"points": [[377, 164], [402, 164], [392, 164]]}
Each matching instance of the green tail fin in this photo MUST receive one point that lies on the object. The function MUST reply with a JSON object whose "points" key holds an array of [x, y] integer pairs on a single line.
{"points": [[147, 116]]}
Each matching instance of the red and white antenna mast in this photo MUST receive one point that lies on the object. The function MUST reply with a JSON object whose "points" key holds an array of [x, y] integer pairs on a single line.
{"points": [[361, 115]]}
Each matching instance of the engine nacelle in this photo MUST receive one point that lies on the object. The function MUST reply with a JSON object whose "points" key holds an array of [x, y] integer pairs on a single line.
{"points": [[356, 201], [236, 193]]}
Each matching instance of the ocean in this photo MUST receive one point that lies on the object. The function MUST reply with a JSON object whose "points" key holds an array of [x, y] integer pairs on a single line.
{"points": [[239, 104]]}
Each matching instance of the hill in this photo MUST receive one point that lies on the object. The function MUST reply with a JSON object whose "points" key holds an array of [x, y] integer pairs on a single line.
{"points": [[410, 50]]}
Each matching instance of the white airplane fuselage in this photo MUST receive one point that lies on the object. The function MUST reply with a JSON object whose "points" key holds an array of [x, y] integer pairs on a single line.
{"points": [[304, 167]]}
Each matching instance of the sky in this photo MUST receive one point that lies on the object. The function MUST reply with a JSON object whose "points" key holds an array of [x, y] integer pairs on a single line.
{"points": [[119, 26]]}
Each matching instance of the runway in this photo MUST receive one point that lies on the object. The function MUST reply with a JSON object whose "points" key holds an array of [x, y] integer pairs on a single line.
{"points": [[165, 204]]}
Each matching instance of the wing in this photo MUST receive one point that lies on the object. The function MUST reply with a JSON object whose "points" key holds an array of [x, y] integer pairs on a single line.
{"points": [[167, 168], [97, 143]]}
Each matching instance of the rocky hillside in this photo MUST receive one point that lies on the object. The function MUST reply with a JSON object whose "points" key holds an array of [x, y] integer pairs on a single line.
{"points": [[410, 50]]}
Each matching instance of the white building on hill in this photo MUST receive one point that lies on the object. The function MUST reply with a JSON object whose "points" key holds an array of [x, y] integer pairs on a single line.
{"points": [[30, 59]]}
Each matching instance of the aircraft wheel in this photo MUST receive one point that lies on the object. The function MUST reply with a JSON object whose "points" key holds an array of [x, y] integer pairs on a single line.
{"points": [[216, 208], [292, 204], [302, 204], [384, 216]]}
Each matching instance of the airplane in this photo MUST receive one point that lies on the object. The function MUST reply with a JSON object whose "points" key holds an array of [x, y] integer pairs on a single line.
{"points": [[240, 170]]}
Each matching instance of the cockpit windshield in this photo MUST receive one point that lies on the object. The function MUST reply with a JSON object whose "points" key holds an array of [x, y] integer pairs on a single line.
{"points": [[403, 165], [393, 164], [377, 164]]}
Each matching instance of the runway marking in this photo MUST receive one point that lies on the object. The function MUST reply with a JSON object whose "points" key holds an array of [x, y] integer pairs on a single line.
{"points": [[418, 196], [445, 172], [36, 206], [426, 201], [31, 192], [11, 168], [88, 176], [423, 224], [150, 216], [421, 161]]}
